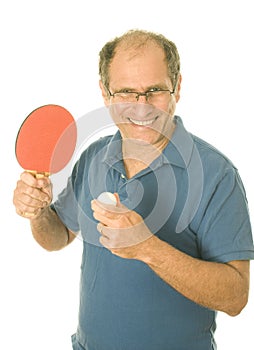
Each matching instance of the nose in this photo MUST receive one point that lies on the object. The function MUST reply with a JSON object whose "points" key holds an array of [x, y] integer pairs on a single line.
{"points": [[142, 110], [142, 97]]}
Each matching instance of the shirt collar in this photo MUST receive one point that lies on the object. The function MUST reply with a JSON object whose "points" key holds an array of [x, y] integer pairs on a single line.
{"points": [[178, 151]]}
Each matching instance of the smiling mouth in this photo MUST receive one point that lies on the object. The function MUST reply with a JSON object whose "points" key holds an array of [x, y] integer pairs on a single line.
{"points": [[143, 122]]}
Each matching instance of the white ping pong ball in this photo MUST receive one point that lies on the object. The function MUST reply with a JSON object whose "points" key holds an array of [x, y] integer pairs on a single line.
{"points": [[107, 198]]}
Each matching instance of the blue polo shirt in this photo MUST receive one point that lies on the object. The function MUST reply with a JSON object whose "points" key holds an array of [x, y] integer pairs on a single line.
{"points": [[191, 197]]}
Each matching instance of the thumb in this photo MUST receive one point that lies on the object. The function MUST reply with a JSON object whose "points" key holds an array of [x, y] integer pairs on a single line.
{"points": [[122, 207], [118, 202]]}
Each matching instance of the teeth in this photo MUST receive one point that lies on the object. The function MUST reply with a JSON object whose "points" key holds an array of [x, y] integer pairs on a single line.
{"points": [[142, 122]]}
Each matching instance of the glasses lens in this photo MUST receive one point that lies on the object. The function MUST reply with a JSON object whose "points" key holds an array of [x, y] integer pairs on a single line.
{"points": [[125, 96], [157, 96], [151, 96]]}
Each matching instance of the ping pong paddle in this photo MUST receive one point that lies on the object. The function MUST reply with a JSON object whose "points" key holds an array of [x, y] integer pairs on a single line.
{"points": [[46, 140]]}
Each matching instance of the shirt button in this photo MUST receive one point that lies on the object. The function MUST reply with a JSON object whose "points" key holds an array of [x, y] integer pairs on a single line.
{"points": [[122, 176]]}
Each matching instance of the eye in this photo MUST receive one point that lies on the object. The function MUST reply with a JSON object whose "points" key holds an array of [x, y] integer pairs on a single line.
{"points": [[125, 91], [154, 89]]}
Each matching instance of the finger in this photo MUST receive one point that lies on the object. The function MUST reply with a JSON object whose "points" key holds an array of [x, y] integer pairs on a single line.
{"points": [[28, 211], [103, 232], [102, 207], [108, 236], [107, 219], [109, 210], [28, 199], [25, 205], [28, 214], [28, 193], [45, 185], [110, 239], [28, 179], [31, 180], [42, 183], [100, 214], [103, 211], [34, 201], [100, 228], [119, 204], [105, 242]]}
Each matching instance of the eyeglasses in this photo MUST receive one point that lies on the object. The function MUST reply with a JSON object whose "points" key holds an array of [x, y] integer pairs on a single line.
{"points": [[155, 95]]}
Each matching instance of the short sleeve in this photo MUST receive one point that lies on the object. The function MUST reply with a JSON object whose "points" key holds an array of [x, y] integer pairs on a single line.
{"points": [[66, 206], [225, 231]]}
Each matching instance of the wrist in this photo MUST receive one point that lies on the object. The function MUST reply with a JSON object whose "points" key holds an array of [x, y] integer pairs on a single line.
{"points": [[149, 251], [39, 213]]}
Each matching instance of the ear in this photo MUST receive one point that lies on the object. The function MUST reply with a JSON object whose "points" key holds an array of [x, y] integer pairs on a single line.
{"points": [[104, 93], [178, 88]]}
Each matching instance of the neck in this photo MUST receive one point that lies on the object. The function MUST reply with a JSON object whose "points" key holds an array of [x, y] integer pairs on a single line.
{"points": [[138, 154]]}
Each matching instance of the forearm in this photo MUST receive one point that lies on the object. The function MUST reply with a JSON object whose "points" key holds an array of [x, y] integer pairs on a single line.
{"points": [[49, 231], [213, 285], [216, 286]]}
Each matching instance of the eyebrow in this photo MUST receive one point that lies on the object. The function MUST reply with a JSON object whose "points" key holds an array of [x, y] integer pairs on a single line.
{"points": [[157, 85]]}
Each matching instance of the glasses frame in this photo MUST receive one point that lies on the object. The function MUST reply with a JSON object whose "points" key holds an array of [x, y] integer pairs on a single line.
{"points": [[138, 94]]}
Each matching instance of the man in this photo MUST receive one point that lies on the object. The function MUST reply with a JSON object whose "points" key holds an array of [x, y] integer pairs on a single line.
{"points": [[176, 248]]}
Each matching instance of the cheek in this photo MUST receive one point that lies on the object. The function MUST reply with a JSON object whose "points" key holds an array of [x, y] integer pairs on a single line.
{"points": [[169, 108]]}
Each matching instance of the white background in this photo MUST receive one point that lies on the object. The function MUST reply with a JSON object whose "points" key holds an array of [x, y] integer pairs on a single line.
{"points": [[49, 54]]}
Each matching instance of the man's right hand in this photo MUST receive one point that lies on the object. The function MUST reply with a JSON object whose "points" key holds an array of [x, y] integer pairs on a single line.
{"points": [[32, 195]]}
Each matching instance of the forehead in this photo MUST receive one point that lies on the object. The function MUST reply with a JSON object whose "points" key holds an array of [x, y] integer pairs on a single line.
{"points": [[140, 65]]}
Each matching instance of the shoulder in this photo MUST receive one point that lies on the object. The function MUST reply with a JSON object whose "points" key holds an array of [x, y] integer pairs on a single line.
{"points": [[220, 175], [88, 152], [212, 159], [194, 149], [217, 170]]}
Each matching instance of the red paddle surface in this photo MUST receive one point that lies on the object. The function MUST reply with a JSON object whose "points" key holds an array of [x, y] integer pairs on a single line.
{"points": [[46, 140]]}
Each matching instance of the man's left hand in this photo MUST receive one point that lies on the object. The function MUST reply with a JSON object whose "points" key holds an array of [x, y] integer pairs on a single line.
{"points": [[122, 230]]}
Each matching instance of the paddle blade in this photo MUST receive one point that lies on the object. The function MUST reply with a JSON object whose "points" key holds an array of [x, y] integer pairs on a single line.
{"points": [[46, 140]]}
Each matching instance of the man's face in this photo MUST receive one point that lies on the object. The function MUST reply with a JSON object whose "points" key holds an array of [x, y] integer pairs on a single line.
{"points": [[142, 70]]}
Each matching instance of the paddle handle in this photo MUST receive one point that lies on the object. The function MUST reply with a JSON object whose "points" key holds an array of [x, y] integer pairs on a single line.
{"points": [[39, 175]]}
